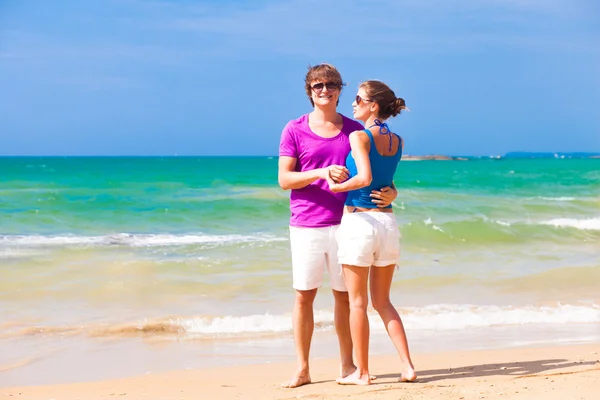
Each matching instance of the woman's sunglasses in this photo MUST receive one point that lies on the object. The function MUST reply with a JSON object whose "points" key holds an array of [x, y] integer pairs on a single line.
{"points": [[360, 100], [318, 87]]}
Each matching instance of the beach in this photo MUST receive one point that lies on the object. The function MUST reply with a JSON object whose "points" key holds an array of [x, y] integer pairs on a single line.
{"points": [[113, 268], [551, 373]]}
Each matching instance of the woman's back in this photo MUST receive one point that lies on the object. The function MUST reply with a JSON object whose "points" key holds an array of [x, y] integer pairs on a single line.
{"points": [[383, 157]]}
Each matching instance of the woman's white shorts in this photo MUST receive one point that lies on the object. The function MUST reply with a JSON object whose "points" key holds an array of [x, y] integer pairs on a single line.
{"points": [[368, 239]]}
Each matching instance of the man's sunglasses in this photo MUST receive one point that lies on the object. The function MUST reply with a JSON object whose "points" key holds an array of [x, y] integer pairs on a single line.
{"points": [[318, 87]]}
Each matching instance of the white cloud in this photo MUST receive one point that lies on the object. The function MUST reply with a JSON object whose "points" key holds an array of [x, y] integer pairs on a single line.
{"points": [[44, 47], [342, 27], [100, 82], [186, 33]]}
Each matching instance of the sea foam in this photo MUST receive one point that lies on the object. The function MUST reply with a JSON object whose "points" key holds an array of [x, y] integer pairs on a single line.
{"points": [[133, 240], [583, 223], [434, 317]]}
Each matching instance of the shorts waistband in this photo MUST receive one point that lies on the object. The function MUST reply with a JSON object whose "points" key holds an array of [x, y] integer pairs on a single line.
{"points": [[353, 209]]}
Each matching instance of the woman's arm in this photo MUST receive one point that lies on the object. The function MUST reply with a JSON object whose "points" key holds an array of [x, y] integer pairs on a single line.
{"points": [[360, 146]]}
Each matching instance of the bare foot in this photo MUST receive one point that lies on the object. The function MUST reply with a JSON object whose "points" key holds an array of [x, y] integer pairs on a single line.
{"points": [[345, 372], [408, 376], [299, 379], [355, 379]]}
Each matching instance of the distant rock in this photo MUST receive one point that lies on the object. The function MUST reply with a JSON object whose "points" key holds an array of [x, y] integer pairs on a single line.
{"points": [[560, 155], [513, 155], [430, 157]]}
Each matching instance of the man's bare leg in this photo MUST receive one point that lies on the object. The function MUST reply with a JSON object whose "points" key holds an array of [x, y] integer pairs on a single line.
{"points": [[342, 328], [304, 324], [356, 280]]}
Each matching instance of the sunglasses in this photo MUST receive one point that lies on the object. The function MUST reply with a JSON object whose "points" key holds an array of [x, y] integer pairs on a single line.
{"points": [[318, 87], [360, 100]]}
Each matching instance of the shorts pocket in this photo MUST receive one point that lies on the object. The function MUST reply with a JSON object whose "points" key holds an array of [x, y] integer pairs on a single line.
{"points": [[355, 238]]}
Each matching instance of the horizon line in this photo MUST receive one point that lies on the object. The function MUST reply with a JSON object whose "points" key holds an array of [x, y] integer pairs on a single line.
{"points": [[555, 153]]}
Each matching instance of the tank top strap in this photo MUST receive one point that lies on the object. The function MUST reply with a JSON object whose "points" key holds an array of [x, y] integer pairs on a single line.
{"points": [[400, 146], [370, 134], [400, 141]]}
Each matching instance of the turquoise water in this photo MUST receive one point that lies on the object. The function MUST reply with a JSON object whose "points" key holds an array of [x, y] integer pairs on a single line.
{"points": [[196, 248], [96, 196]]}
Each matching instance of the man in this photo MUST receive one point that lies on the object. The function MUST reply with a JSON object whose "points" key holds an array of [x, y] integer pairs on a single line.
{"points": [[313, 147]]}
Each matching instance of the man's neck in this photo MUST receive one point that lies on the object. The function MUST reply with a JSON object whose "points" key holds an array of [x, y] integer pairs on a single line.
{"points": [[324, 115]]}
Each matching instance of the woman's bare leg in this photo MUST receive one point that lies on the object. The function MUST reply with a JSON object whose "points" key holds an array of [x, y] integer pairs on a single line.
{"points": [[381, 282]]}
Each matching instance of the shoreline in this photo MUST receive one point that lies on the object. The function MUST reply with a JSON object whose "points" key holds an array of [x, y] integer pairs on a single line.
{"points": [[114, 357], [552, 373]]}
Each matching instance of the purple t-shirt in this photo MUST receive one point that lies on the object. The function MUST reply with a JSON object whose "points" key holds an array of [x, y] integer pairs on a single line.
{"points": [[315, 206]]}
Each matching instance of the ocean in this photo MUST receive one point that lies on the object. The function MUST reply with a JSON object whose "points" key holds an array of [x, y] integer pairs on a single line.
{"points": [[113, 266]]}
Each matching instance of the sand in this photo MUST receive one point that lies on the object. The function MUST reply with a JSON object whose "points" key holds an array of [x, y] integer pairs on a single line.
{"points": [[551, 373]]}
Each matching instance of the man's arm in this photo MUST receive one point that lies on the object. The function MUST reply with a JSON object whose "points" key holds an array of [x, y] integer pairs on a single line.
{"points": [[384, 196], [288, 178]]}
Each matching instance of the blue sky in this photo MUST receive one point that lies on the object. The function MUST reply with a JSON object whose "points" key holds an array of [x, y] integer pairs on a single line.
{"points": [[133, 77]]}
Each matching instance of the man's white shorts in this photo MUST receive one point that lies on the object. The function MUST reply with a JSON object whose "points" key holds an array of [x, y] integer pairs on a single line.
{"points": [[368, 239], [313, 250]]}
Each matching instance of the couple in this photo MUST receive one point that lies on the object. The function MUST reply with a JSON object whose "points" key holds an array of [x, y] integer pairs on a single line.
{"points": [[340, 175]]}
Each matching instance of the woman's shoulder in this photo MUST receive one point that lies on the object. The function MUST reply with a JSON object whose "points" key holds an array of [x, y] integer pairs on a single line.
{"points": [[361, 135]]}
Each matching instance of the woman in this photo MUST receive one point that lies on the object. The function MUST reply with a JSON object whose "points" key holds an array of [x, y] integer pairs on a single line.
{"points": [[368, 236]]}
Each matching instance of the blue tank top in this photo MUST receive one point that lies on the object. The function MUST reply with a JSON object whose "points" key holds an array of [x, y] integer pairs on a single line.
{"points": [[383, 169]]}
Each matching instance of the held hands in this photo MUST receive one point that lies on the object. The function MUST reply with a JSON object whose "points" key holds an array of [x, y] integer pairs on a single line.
{"points": [[384, 197], [334, 187], [338, 173], [335, 174]]}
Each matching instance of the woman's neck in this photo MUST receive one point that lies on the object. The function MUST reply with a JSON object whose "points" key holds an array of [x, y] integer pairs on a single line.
{"points": [[371, 121]]}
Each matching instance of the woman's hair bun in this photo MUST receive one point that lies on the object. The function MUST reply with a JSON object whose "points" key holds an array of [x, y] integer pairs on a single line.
{"points": [[397, 106]]}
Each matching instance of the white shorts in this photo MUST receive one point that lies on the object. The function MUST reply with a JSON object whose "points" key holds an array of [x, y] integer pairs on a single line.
{"points": [[368, 239], [313, 250]]}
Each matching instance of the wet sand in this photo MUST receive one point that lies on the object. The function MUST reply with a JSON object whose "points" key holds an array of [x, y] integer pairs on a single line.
{"points": [[551, 373]]}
